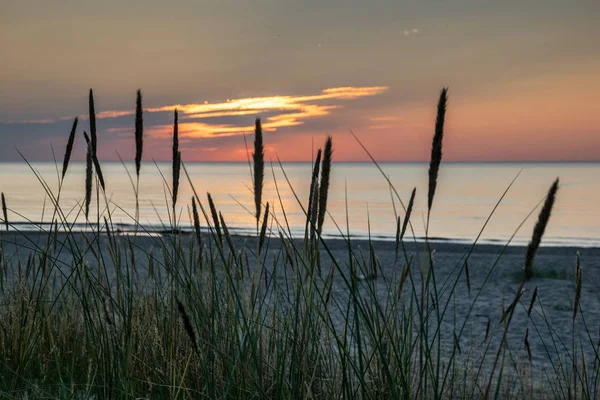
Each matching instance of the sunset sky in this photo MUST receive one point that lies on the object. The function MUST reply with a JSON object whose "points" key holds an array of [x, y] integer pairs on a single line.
{"points": [[524, 77]]}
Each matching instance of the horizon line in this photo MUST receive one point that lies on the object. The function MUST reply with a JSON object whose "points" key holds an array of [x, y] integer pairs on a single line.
{"points": [[336, 161]]}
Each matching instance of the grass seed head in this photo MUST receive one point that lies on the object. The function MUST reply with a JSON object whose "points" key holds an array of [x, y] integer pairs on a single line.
{"points": [[92, 116], [538, 230], [259, 166], [436, 147], [139, 132], [324, 184], [69, 148]]}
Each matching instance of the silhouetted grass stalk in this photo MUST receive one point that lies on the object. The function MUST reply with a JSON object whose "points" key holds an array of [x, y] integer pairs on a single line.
{"points": [[139, 148], [88, 175], [538, 230], [4, 211], [69, 148], [92, 117], [175, 169], [436, 149]]}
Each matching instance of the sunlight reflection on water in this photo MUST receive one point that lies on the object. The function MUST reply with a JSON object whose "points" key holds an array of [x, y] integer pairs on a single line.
{"points": [[465, 197]]}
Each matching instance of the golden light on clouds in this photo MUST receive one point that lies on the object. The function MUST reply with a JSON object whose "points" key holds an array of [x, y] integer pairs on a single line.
{"points": [[284, 111], [288, 111], [113, 114], [278, 103], [384, 119]]}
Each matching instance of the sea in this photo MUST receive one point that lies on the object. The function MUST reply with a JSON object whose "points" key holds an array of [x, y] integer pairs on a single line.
{"points": [[494, 203]]}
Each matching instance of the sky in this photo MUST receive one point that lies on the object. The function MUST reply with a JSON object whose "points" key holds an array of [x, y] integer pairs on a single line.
{"points": [[523, 77]]}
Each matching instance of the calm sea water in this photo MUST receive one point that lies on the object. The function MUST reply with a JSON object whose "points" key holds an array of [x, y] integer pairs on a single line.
{"points": [[466, 195]]}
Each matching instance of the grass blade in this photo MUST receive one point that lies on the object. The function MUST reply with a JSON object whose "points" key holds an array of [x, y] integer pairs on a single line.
{"points": [[411, 203], [263, 229], [227, 235], [196, 223], [215, 217], [4, 211], [187, 324], [578, 283], [98, 172], [88, 175], [532, 302]]}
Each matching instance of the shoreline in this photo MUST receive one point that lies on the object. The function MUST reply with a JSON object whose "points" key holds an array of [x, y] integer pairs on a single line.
{"points": [[36, 228]]}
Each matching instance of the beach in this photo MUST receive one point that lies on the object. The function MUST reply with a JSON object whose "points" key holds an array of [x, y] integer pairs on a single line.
{"points": [[472, 315]]}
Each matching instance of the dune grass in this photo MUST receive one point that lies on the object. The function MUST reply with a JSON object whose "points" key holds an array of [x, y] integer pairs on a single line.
{"points": [[205, 315]]}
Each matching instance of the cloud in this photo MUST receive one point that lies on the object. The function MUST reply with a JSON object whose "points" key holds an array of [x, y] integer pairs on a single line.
{"points": [[384, 119], [32, 121], [282, 111], [381, 126], [217, 124], [291, 109], [112, 114]]}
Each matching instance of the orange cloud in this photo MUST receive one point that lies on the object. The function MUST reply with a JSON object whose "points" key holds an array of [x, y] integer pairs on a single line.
{"points": [[277, 103], [113, 114], [290, 111], [197, 130], [384, 119], [31, 121], [381, 126]]}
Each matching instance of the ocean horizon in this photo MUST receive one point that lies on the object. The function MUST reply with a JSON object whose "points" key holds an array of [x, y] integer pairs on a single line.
{"points": [[466, 196]]}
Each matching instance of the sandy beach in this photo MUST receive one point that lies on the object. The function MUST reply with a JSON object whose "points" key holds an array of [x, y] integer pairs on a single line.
{"points": [[491, 289]]}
